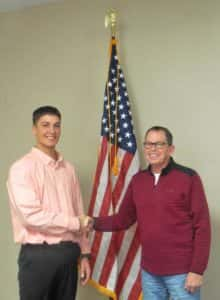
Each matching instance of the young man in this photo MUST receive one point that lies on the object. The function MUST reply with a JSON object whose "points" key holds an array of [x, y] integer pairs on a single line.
{"points": [[168, 202], [46, 209]]}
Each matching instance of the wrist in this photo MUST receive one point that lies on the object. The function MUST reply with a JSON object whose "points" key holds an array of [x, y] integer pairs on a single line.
{"points": [[85, 255]]}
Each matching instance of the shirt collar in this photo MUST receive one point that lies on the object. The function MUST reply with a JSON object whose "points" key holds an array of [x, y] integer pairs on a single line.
{"points": [[165, 170], [46, 159]]}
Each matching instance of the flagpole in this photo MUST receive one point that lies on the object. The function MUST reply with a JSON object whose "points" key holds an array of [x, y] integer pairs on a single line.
{"points": [[110, 21]]}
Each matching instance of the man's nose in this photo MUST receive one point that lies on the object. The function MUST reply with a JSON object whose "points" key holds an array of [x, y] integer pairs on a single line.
{"points": [[52, 129]]}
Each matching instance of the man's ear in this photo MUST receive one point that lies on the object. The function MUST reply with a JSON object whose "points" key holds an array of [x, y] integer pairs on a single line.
{"points": [[33, 130], [172, 149]]}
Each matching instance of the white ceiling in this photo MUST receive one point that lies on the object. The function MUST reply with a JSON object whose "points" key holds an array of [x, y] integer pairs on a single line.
{"points": [[9, 5]]}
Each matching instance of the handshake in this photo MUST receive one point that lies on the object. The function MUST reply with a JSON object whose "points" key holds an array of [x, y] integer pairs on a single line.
{"points": [[86, 223]]}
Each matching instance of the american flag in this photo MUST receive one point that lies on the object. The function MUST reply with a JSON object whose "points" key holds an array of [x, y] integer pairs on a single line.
{"points": [[115, 256]]}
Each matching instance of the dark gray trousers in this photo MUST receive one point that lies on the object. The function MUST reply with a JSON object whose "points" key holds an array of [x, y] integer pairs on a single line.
{"points": [[48, 272]]}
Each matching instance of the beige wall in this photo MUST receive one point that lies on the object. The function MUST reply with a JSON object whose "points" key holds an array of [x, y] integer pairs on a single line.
{"points": [[57, 54]]}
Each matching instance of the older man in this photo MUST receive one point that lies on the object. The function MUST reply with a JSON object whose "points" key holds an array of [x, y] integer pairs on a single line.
{"points": [[168, 202]]}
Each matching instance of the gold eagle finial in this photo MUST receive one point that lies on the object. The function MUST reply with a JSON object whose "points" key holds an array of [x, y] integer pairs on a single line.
{"points": [[110, 20]]}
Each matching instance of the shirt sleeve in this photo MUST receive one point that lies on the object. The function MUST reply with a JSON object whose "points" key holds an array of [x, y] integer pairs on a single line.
{"points": [[28, 208], [78, 204], [201, 227], [125, 217]]}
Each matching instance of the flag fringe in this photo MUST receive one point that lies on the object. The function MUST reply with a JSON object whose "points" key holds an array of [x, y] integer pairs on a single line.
{"points": [[103, 290]]}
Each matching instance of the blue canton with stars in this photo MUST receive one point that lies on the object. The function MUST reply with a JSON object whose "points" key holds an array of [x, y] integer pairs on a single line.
{"points": [[118, 111]]}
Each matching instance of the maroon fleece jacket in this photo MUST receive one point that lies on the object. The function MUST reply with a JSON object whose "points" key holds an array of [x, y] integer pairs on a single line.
{"points": [[172, 217]]}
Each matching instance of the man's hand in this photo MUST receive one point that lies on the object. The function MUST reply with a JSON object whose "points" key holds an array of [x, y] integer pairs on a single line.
{"points": [[86, 223], [85, 271], [193, 282]]}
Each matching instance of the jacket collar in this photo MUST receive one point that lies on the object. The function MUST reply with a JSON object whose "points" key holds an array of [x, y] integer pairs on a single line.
{"points": [[165, 170]]}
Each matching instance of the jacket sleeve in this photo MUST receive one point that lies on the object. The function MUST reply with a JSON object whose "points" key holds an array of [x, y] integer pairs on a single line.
{"points": [[201, 227], [122, 220]]}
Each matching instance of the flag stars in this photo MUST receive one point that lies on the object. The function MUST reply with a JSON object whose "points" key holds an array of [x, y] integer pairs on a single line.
{"points": [[123, 116], [117, 123], [127, 134], [114, 112], [123, 84]]}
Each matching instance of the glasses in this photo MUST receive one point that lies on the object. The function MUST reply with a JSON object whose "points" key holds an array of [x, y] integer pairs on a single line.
{"points": [[157, 145]]}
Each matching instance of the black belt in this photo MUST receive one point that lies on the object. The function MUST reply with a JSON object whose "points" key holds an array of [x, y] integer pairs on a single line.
{"points": [[62, 243]]}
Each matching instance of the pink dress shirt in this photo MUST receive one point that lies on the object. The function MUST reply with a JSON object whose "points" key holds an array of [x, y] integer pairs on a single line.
{"points": [[45, 200]]}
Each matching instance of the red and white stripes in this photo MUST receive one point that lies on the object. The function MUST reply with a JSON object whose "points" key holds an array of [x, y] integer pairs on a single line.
{"points": [[115, 256]]}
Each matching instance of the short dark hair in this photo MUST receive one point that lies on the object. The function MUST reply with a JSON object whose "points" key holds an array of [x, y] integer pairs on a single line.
{"points": [[45, 110], [168, 134]]}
